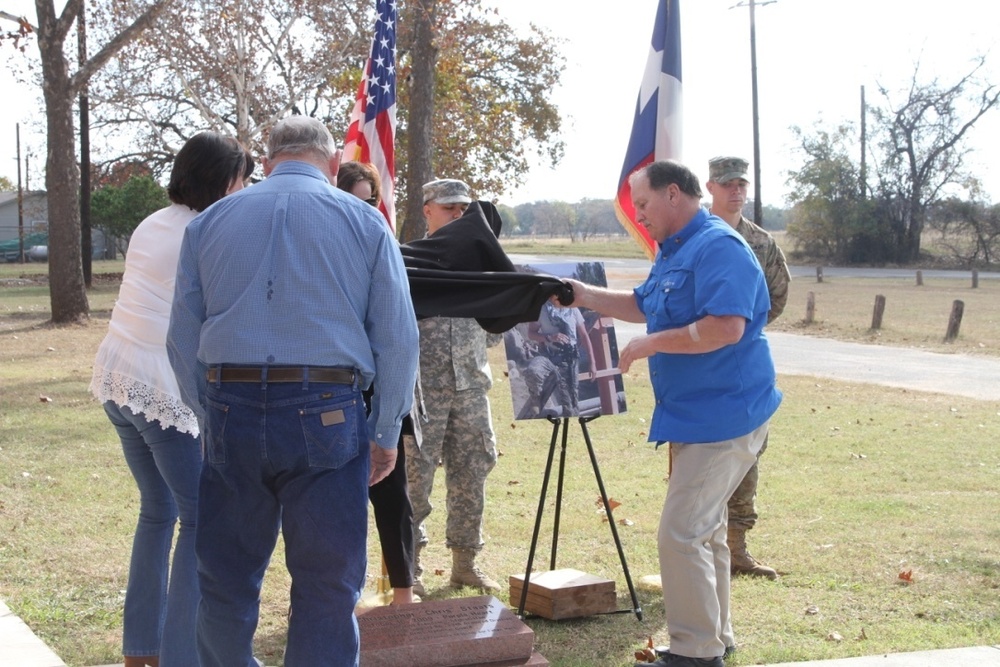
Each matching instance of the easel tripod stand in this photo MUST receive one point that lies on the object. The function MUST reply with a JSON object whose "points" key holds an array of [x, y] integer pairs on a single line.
{"points": [[564, 423]]}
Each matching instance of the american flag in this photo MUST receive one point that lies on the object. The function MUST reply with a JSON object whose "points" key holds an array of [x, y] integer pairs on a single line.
{"points": [[372, 133], [656, 129]]}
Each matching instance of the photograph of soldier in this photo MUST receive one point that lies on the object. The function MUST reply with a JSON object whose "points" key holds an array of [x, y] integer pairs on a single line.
{"points": [[565, 363]]}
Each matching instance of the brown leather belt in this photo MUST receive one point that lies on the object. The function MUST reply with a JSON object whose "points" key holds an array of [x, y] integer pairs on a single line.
{"points": [[281, 374]]}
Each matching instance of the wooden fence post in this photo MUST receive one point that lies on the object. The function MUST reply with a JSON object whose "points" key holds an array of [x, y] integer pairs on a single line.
{"points": [[920, 278], [877, 313], [810, 307], [955, 321], [975, 278], [819, 274]]}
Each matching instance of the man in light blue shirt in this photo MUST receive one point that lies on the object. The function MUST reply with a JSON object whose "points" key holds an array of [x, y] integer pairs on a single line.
{"points": [[288, 302]]}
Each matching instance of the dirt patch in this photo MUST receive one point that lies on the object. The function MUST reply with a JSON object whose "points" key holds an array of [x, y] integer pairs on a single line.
{"points": [[106, 278], [19, 282], [36, 279]]}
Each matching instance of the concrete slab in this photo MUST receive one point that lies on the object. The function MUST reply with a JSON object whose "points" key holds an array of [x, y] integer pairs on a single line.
{"points": [[976, 656], [19, 647]]}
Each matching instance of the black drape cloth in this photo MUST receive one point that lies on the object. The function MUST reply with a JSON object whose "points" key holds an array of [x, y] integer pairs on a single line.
{"points": [[461, 271]]}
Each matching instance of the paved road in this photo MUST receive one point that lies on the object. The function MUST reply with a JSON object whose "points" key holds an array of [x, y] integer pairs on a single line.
{"points": [[957, 374]]}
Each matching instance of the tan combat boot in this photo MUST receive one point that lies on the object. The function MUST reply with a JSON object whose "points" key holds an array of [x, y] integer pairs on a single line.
{"points": [[741, 562], [465, 573], [418, 572]]}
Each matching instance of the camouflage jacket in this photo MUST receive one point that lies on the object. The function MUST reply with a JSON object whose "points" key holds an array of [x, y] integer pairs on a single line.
{"points": [[772, 260], [453, 354]]}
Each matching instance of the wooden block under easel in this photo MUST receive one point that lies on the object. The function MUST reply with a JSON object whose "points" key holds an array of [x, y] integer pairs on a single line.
{"points": [[565, 593]]}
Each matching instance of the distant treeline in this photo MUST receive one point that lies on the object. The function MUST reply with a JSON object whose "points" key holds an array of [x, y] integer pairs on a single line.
{"points": [[590, 217]]}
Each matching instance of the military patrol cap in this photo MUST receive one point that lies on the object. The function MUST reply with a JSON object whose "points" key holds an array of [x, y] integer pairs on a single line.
{"points": [[725, 168], [447, 191]]}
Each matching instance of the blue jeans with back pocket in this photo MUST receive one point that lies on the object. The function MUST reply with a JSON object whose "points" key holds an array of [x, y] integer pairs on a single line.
{"points": [[294, 457]]}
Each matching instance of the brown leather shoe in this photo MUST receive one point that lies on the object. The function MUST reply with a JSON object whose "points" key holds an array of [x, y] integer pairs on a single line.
{"points": [[142, 661]]}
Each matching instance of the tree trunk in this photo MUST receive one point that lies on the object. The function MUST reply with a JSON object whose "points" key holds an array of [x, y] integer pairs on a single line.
{"points": [[420, 129], [68, 293], [915, 228]]}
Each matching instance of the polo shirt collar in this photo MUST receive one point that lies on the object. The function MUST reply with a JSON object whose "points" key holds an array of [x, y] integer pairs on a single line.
{"points": [[674, 242]]}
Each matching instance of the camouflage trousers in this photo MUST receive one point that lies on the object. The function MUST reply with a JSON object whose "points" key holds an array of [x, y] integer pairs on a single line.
{"points": [[742, 504], [458, 434]]}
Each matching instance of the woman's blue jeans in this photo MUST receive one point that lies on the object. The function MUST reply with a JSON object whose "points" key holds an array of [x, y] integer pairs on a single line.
{"points": [[159, 617], [294, 457]]}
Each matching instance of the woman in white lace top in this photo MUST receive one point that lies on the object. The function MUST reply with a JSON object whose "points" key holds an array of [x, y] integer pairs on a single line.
{"points": [[159, 434]]}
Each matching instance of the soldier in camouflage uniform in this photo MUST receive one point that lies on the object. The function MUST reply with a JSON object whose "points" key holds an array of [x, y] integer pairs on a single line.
{"points": [[727, 183], [453, 417]]}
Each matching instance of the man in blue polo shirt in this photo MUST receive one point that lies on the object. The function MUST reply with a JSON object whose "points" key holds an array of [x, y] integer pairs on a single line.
{"points": [[705, 304]]}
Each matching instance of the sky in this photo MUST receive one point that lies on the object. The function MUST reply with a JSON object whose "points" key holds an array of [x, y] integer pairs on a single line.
{"points": [[813, 57]]}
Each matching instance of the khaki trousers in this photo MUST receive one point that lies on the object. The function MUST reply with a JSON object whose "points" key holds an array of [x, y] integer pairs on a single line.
{"points": [[694, 557]]}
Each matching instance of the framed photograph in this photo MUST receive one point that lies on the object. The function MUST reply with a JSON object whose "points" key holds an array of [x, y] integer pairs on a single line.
{"points": [[566, 363]]}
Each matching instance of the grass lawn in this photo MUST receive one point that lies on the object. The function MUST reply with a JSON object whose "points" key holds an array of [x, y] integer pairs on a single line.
{"points": [[914, 316], [859, 484]]}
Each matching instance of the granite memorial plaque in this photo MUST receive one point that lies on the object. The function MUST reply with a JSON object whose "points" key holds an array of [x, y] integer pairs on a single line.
{"points": [[445, 633]]}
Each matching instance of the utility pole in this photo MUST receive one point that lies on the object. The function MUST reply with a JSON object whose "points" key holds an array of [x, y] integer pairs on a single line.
{"points": [[864, 139], [758, 207], [86, 251], [20, 200]]}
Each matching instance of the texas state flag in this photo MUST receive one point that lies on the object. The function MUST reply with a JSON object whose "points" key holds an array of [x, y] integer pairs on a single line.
{"points": [[656, 129]]}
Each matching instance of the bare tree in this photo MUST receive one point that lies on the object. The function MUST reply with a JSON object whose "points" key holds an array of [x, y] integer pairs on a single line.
{"points": [[969, 230], [922, 148], [919, 154], [246, 67]]}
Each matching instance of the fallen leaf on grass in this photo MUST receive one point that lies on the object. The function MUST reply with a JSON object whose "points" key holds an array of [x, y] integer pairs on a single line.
{"points": [[647, 654], [438, 572], [626, 522], [513, 482], [611, 503], [812, 610], [906, 576], [862, 636], [834, 637]]}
